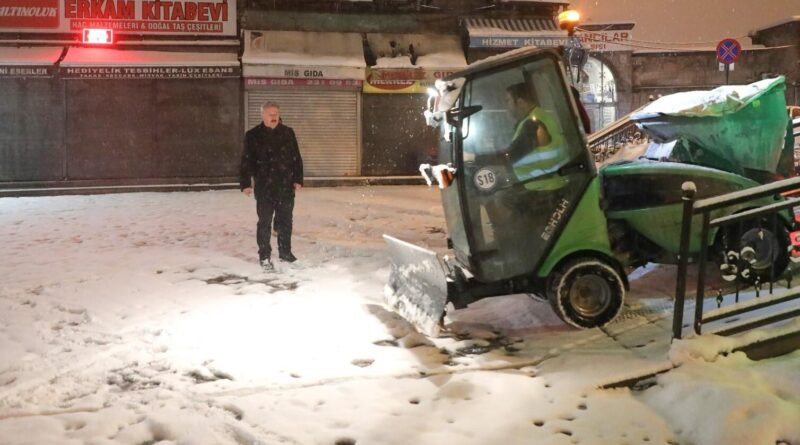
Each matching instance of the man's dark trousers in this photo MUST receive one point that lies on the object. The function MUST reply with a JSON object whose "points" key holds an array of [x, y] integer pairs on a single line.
{"points": [[279, 205], [272, 167]]}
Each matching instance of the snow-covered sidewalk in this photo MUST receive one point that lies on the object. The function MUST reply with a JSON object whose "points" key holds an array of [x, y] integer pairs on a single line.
{"points": [[144, 318]]}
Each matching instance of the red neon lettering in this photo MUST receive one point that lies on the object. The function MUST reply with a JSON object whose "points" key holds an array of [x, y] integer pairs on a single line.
{"points": [[177, 12], [148, 11], [70, 8], [164, 12], [127, 9], [95, 9], [202, 14], [190, 11], [100, 9], [218, 10], [84, 9]]}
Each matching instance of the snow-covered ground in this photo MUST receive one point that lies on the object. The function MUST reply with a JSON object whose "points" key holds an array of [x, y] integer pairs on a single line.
{"points": [[144, 318]]}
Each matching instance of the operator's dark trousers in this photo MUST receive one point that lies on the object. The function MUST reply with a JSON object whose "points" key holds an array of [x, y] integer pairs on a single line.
{"points": [[279, 205]]}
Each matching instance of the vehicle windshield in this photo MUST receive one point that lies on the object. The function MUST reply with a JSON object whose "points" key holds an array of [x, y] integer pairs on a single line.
{"points": [[524, 164]]}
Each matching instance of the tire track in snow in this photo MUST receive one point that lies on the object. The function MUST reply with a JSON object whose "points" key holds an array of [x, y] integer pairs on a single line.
{"points": [[551, 353]]}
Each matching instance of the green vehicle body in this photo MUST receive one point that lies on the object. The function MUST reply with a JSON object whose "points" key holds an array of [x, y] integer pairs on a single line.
{"points": [[508, 237], [644, 196], [587, 230]]}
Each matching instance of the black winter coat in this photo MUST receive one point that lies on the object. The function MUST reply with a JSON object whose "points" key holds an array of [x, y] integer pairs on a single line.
{"points": [[272, 157]]}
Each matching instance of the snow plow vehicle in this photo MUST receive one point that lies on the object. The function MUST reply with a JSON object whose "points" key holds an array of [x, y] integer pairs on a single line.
{"points": [[528, 211]]}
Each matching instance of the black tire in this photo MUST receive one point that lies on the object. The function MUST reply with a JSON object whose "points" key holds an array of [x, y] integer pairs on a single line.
{"points": [[769, 254], [586, 292]]}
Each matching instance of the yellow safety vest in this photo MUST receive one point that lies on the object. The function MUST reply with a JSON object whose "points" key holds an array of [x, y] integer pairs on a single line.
{"points": [[544, 161]]}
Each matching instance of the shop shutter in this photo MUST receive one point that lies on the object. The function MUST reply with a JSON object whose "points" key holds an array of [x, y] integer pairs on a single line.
{"points": [[327, 125]]}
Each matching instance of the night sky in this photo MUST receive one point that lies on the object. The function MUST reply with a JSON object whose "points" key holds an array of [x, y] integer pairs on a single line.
{"points": [[703, 22]]}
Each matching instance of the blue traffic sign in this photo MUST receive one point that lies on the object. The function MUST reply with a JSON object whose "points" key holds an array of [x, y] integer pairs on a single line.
{"points": [[728, 51]]}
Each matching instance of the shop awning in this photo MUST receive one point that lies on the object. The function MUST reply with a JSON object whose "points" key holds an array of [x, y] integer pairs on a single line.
{"points": [[409, 63], [29, 61], [416, 51], [319, 56], [109, 63], [513, 33]]}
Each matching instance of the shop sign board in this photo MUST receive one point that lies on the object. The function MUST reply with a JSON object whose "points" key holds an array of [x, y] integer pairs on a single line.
{"points": [[512, 41], [273, 82], [595, 41], [599, 41], [150, 72], [183, 17], [27, 71], [403, 80], [303, 72]]}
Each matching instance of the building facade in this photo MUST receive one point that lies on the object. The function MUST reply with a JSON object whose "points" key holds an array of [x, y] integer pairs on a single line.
{"points": [[169, 98], [118, 91]]}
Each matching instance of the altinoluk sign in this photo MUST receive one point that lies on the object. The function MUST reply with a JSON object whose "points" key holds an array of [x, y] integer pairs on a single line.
{"points": [[29, 14], [123, 16]]}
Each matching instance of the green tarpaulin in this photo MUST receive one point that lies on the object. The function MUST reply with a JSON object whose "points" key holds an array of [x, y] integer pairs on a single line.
{"points": [[737, 128]]}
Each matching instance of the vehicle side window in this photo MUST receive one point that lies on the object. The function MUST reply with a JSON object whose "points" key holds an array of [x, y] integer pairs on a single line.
{"points": [[515, 151]]}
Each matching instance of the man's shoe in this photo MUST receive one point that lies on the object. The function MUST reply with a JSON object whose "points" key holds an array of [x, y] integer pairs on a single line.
{"points": [[288, 257], [266, 265]]}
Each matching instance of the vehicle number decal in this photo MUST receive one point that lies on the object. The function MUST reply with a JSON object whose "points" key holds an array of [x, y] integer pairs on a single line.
{"points": [[485, 179]]}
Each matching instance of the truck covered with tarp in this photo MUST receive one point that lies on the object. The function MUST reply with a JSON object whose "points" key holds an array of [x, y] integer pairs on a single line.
{"points": [[742, 129]]}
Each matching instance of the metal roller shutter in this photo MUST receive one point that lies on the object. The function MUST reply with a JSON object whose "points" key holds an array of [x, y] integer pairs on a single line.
{"points": [[326, 124]]}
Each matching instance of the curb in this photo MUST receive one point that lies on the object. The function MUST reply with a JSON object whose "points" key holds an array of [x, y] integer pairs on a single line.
{"points": [[17, 190]]}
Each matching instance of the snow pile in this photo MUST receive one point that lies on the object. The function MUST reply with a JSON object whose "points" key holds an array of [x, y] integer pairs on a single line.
{"points": [[303, 49], [446, 59], [442, 52], [144, 318], [731, 399], [722, 100], [394, 62]]}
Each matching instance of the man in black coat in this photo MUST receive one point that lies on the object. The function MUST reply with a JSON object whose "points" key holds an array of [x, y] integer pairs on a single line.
{"points": [[271, 160]]}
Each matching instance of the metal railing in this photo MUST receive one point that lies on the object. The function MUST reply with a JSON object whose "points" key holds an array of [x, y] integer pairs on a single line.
{"points": [[612, 138], [737, 263]]}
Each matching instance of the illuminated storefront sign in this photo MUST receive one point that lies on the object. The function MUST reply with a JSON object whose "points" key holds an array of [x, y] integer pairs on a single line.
{"points": [[122, 16], [402, 80], [95, 36], [150, 72], [270, 82], [12, 71]]}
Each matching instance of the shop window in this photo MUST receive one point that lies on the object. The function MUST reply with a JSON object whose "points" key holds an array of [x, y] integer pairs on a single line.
{"points": [[598, 90]]}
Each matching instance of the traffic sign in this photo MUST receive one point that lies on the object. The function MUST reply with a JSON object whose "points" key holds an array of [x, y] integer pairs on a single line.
{"points": [[728, 51]]}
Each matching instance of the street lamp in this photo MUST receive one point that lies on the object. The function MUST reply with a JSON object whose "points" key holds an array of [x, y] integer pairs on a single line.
{"points": [[568, 20]]}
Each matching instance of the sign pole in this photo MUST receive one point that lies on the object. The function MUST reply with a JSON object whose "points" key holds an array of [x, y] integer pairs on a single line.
{"points": [[728, 51], [727, 72]]}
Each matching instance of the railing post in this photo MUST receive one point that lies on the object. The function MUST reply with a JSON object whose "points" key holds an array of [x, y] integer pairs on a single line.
{"points": [[689, 189], [701, 274]]}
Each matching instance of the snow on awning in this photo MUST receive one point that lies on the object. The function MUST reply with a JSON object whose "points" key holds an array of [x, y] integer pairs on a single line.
{"points": [[109, 63], [29, 61], [322, 56], [416, 51], [513, 33], [410, 63]]}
